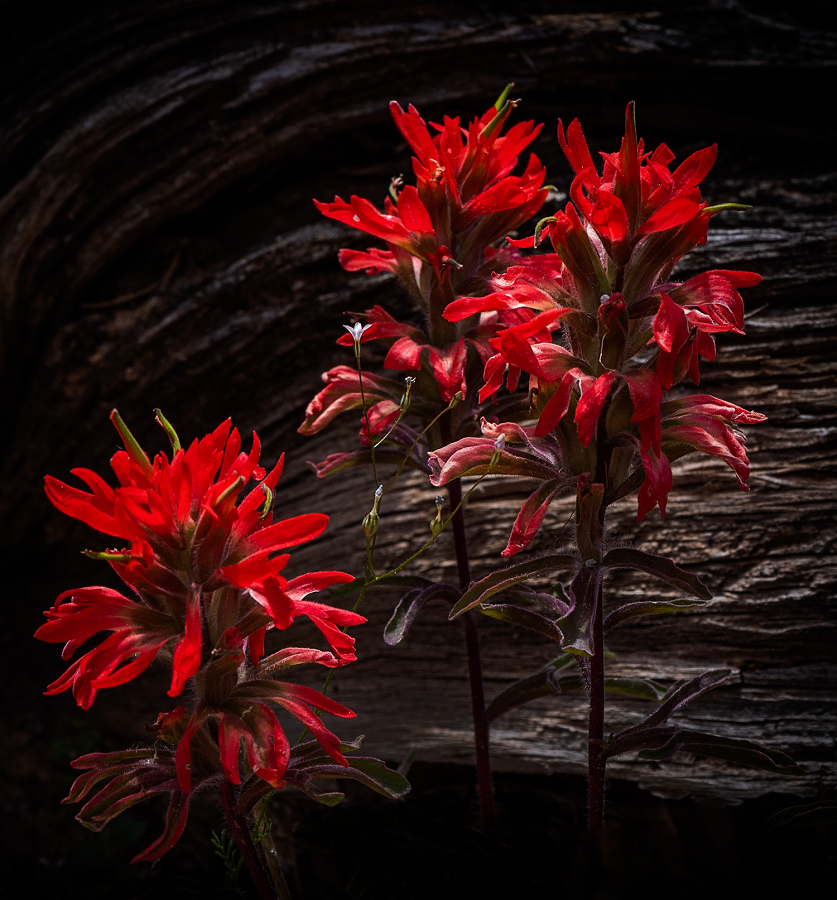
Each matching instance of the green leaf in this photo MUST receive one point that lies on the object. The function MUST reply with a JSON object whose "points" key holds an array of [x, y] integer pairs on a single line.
{"points": [[722, 206], [391, 581], [651, 732], [648, 608], [660, 566], [377, 776], [643, 688], [312, 751], [504, 578], [745, 753]]}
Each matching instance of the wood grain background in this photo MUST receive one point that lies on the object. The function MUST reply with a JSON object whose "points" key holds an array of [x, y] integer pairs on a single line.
{"points": [[158, 247]]}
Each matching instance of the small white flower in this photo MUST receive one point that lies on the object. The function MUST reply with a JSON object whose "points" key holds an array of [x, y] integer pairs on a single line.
{"points": [[356, 330], [379, 492], [500, 443]]}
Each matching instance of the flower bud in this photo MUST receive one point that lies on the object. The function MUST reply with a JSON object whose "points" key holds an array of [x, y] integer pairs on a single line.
{"points": [[405, 397], [371, 521], [499, 446], [437, 526], [455, 400]]}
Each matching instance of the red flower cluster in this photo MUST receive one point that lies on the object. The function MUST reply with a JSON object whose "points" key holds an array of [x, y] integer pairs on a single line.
{"points": [[629, 334], [439, 236], [205, 571]]}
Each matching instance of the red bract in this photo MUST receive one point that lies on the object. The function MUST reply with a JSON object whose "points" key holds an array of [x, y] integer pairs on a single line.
{"points": [[138, 635], [439, 236], [464, 200], [205, 569], [626, 332]]}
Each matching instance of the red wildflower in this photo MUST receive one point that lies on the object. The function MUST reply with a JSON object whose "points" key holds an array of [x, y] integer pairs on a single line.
{"points": [[640, 218], [191, 540]]}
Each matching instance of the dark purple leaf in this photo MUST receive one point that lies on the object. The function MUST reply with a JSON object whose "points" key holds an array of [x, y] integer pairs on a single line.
{"points": [[659, 566], [505, 578], [577, 624], [410, 605], [823, 812], [539, 684], [525, 618], [648, 608], [743, 752]]}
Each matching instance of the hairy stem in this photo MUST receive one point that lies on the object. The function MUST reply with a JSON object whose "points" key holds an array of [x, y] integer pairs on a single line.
{"points": [[596, 760], [241, 835], [595, 746], [472, 644]]}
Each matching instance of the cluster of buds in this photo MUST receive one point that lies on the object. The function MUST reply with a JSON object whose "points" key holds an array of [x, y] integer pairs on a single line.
{"points": [[205, 572], [626, 335]]}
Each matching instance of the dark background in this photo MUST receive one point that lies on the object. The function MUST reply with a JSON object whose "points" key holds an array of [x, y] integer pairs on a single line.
{"points": [[158, 247]]}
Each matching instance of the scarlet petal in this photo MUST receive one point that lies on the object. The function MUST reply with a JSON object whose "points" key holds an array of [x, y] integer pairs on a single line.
{"points": [[657, 485], [275, 601], [175, 825], [530, 518], [289, 532], [674, 213], [255, 568], [590, 406], [300, 587], [671, 330], [412, 211], [187, 654], [405, 353], [449, 368], [557, 406]]}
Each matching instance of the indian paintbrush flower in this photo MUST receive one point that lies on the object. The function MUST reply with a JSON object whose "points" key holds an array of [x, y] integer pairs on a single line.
{"points": [[204, 565]]}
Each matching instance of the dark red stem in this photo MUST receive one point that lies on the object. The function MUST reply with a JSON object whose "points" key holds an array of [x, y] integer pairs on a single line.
{"points": [[595, 748], [596, 760], [472, 644], [241, 835]]}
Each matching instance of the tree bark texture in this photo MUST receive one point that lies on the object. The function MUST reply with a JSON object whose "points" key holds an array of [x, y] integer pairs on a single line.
{"points": [[159, 248]]}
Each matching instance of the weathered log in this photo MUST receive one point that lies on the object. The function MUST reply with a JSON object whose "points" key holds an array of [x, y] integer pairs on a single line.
{"points": [[158, 248]]}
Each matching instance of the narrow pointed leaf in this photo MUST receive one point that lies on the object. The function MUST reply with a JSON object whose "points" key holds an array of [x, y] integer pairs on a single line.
{"points": [[647, 739], [410, 605], [505, 578], [823, 812], [539, 684], [648, 608], [660, 566], [576, 625], [371, 772], [548, 682], [556, 604], [736, 750], [676, 700], [524, 618]]}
